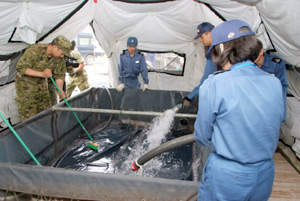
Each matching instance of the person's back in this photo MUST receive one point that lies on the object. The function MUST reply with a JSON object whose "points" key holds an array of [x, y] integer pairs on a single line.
{"points": [[248, 119], [240, 113]]}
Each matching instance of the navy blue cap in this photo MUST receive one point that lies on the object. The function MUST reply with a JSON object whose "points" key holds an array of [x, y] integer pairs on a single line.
{"points": [[202, 28], [132, 42], [227, 31]]}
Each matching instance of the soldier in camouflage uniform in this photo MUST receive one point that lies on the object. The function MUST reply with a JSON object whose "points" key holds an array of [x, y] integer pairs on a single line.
{"points": [[36, 65], [77, 76]]}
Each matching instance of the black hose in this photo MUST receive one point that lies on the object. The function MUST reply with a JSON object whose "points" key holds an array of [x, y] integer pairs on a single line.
{"points": [[177, 142], [111, 115]]}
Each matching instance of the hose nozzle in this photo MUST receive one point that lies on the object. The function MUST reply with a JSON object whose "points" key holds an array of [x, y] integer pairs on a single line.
{"points": [[135, 166], [178, 107]]}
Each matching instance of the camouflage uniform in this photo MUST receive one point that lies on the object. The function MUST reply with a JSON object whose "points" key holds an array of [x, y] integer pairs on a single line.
{"points": [[32, 92], [79, 79], [53, 93]]}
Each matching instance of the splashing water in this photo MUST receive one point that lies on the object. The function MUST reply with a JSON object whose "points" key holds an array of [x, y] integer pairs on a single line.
{"points": [[161, 126], [157, 132], [123, 145]]}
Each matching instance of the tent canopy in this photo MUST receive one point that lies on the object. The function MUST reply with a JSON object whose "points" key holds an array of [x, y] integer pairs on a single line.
{"points": [[159, 26]]}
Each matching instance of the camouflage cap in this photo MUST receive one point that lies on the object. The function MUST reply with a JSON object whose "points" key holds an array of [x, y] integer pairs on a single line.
{"points": [[63, 44]]}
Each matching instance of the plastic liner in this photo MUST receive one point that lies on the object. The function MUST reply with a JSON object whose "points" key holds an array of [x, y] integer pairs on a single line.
{"points": [[49, 134], [121, 144]]}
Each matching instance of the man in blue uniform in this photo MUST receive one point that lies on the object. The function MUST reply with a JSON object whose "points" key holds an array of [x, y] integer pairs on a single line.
{"points": [[204, 34], [240, 114], [131, 64], [275, 66]]}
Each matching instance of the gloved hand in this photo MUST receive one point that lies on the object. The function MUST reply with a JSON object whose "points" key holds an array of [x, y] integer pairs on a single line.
{"points": [[145, 87], [186, 102], [120, 87]]}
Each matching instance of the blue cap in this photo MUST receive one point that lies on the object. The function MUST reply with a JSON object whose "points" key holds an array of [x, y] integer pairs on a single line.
{"points": [[202, 28], [227, 31], [132, 42]]}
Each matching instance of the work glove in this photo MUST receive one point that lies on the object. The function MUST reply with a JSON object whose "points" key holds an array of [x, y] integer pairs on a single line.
{"points": [[186, 102], [120, 87], [145, 87]]}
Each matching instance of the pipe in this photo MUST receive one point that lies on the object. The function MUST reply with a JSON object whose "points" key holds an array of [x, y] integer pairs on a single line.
{"points": [[184, 122], [110, 111], [177, 142]]}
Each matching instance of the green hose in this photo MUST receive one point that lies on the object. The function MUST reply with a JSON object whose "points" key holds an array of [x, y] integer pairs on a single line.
{"points": [[72, 111], [20, 140]]}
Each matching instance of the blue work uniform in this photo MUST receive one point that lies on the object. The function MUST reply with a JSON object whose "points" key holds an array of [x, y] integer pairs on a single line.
{"points": [[130, 68], [276, 66], [240, 114], [210, 67]]}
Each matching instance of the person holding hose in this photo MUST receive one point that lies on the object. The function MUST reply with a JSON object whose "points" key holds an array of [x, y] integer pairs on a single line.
{"points": [[204, 35], [131, 64], [39, 62], [240, 113]]}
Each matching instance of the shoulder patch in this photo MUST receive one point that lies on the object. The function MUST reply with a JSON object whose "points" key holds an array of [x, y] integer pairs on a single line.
{"points": [[140, 53], [276, 60], [219, 71], [124, 51]]}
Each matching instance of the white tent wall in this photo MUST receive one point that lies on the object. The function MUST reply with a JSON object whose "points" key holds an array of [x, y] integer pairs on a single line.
{"points": [[282, 22], [169, 26], [246, 12], [40, 14], [279, 17], [75, 24], [45, 14]]}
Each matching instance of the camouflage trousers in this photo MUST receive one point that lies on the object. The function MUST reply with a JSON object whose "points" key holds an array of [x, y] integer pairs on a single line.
{"points": [[53, 93], [79, 80], [31, 98]]}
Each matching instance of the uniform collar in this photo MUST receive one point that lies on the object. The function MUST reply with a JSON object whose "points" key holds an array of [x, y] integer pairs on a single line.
{"points": [[242, 64], [135, 53]]}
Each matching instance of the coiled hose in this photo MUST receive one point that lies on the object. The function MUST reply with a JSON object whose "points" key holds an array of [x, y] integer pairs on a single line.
{"points": [[111, 115]]}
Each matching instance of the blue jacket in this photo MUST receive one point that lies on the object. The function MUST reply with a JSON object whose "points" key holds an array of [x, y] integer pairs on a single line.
{"points": [[130, 68], [240, 113], [276, 66], [210, 67]]}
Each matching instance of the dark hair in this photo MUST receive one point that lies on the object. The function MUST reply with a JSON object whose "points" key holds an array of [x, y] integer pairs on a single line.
{"points": [[259, 47], [73, 45], [235, 51]]}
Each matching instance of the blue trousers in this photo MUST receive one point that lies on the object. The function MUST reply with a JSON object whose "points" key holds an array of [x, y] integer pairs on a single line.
{"points": [[132, 82], [223, 179]]}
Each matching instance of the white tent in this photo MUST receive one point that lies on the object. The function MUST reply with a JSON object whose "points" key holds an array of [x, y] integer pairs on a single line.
{"points": [[159, 25]]}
